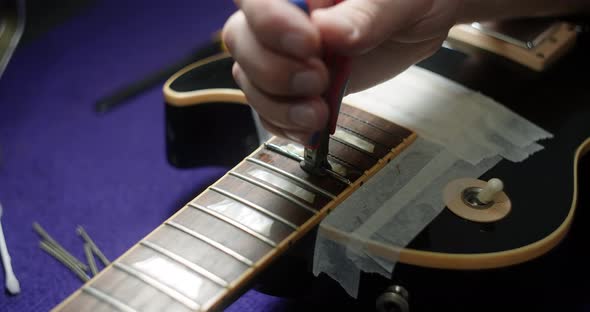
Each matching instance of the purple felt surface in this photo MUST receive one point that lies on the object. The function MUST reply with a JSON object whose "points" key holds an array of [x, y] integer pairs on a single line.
{"points": [[62, 165]]}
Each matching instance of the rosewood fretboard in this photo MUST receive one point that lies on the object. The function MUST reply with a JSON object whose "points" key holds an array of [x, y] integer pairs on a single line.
{"points": [[215, 245]]}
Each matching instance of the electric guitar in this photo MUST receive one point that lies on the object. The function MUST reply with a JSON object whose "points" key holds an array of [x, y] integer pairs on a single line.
{"points": [[216, 246]]}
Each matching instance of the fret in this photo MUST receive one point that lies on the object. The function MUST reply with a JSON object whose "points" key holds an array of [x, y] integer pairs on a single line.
{"points": [[279, 192], [196, 268], [134, 292], [236, 224], [248, 194], [374, 121], [383, 138], [359, 160], [331, 185], [211, 242], [355, 162], [340, 168], [121, 306], [254, 206], [284, 151], [199, 252], [291, 176], [368, 145], [226, 234], [188, 302], [350, 115], [259, 222], [85, 302], [367, 150]]}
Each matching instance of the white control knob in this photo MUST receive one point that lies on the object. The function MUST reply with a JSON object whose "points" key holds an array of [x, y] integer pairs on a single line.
{"points": [[489, 192]]}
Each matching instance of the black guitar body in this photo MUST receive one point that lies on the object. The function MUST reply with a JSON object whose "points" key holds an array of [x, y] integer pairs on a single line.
{"points": [[557, 100]]}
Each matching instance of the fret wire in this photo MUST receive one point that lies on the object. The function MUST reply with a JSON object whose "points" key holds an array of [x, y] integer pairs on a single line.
{"points": [[281, 151], [275, 191], [292, 177], [106, 298], [171, 292], [360, 135], [196, 268], [255, 207], [366, 122], [278, 149], [235, 224], [343, 162], [211, 242], [354, 147]]}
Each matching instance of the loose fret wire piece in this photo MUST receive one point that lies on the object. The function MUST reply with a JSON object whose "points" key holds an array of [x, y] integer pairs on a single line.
{"points": [[291, 176], [90, 259], [255, 207], [234, 223], [274, 191], [50, 249], [53, 244], [169, 291], [338, 177], [194, 267], [95, 248], [211, 242], [279, 150], [106, 298]]}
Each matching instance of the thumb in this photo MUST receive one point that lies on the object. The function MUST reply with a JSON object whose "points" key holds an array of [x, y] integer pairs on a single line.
{"points": [[356, 26]]}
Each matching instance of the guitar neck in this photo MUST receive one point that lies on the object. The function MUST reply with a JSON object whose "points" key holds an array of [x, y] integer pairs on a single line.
{"points": [[213, 247]]}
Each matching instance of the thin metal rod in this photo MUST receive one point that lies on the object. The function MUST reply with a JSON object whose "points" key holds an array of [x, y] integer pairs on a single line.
{"points": [[64, 260], [90, 259], [95, 248], [57, 247]]}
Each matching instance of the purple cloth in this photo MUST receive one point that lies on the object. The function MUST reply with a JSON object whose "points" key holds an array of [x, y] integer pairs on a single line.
{"points": [[62, 165]]}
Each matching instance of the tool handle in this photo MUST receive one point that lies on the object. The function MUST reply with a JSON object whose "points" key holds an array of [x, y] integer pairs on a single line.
{"points": [[339, 68]]}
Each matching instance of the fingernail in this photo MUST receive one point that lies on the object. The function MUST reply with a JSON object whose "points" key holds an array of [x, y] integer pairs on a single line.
{"points": [[295, 44], [302, 115], [306, 83], [343, 25]]}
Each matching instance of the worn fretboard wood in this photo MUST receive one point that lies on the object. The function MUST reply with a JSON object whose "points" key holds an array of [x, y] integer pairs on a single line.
{"points": [[214, 246]]}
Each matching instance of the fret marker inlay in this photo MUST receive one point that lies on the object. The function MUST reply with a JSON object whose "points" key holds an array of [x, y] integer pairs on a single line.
{"points": [[196, 268], [171, 292], [254, 206], [236, 224], [291, 176], [354, 141], [211, 242], [275, 191]]}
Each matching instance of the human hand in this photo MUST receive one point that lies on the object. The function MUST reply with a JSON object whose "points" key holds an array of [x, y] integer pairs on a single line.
{"points": [[278, 48]]}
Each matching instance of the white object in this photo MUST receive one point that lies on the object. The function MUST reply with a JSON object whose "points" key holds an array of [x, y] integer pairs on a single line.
{"points": [[12, 283], [488, 193]]}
